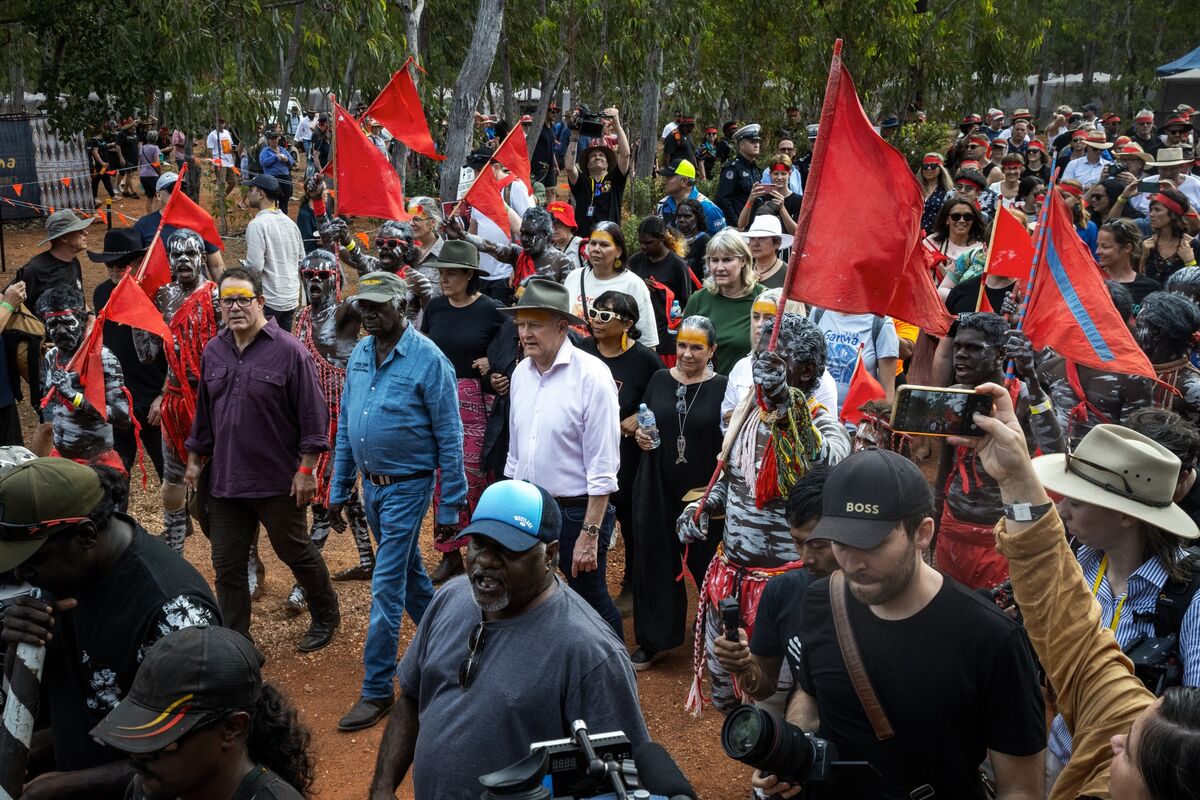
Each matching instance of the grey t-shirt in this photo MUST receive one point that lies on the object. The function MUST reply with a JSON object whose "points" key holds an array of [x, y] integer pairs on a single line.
{"points": [[537, 673]]}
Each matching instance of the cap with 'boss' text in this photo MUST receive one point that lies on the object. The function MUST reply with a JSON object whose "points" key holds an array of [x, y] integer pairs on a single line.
{"points": [[867, 495]]}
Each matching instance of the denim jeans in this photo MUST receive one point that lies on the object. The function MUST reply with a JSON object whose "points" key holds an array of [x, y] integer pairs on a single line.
{"points": [[591, 586], [399, 582]]}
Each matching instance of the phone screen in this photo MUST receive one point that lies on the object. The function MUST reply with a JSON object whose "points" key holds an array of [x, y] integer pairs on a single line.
{"points": [[1148, 187], [939, 412]]}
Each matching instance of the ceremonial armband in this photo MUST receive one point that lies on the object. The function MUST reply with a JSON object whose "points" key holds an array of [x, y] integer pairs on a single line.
{"points": [[1041, 408]]}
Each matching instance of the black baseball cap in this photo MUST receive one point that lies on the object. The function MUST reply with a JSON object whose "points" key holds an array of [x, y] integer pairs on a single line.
{"points": [[517, 514], [867, 494], [268, 183], [188, 677]]}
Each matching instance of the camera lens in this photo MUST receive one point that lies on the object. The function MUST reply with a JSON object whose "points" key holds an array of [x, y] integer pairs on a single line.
{"points": [[761, 740]]}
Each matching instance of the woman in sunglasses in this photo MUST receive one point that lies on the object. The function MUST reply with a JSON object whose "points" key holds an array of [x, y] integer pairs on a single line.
{"points": [[613, 319], [606, 271], [686, 401], [958, 231], [935, 181]]}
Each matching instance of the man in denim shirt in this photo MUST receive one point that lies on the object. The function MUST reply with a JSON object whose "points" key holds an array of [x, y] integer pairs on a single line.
{"points": [[399, 424]]}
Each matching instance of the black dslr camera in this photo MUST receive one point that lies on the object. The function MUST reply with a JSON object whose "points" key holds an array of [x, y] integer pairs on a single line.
{"points": [[758, 738], [1002, 595], [1156, 662], [1113, 170], [595, 767], [589, 123]]}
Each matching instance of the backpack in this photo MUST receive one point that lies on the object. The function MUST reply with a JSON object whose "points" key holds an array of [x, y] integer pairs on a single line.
{"points": [[1176, 597]]}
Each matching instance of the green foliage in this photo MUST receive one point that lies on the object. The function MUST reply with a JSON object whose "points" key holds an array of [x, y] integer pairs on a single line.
{"points": [[917, 140]]}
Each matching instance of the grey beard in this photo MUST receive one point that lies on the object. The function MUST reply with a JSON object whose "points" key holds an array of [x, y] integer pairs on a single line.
{"points": [[497, 605]]}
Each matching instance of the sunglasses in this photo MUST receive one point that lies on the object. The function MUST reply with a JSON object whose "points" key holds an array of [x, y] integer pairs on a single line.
{"points": [[389, 243], [929, 166], [962, 217], [13, 532], [241, 301], [600, 315], [316, 273], [469, 668], [681, 399], [1127, 493]]}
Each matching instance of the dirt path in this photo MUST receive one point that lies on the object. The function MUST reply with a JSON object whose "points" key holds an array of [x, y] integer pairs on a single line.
{"points": [[325, 684]]}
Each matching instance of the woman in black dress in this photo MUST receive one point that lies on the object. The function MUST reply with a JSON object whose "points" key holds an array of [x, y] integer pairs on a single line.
{"points": [[613, 318], [686, 401]]}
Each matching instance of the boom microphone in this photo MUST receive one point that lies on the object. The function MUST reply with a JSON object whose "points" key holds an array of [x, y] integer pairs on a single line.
{"points": [[659, 774]]}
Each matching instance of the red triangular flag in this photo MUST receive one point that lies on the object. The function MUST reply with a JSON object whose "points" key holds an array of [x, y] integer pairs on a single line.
{"points": [[182, 212], [89, 364], [124, 219], [513, 155], [1070, 308], [65, 181], [1011, 252], [983, 304], [17, 187], [129, 305], [484, 197], [155, 270], [368, 185], [856, 175], [364, 238], [102, 217], [398, 108], [863, 389]]}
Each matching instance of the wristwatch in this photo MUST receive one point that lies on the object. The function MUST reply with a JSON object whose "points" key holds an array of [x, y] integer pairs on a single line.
{"points": [[591, 530], [1025, 512]]}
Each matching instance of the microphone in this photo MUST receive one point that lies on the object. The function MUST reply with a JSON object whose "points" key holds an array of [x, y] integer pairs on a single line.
{"points": [[659, 774]]}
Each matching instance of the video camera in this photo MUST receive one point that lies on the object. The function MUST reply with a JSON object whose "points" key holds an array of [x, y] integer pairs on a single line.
{"points": [[589, 123], [1156, 662], [604, 766]]}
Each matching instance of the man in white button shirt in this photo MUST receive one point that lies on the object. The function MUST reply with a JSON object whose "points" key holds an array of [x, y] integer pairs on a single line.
{"points": [[1089, 170], [273, 250], [565, 436]]}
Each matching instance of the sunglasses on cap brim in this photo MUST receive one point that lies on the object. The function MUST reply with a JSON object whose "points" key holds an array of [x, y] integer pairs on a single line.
{"points": [[11, 532]]}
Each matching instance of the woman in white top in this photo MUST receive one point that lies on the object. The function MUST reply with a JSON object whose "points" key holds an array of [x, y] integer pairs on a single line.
{"points": [[959, 229], [606, 272]]}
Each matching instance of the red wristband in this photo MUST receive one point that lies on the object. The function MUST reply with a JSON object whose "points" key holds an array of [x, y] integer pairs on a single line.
{"points": [[305, 470]]}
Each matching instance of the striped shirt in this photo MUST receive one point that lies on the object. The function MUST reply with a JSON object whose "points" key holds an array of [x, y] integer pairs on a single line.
{"points": [[1137, 619]]}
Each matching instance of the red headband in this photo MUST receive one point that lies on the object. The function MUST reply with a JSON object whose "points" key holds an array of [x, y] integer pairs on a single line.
{"points": [[72, 313], [779, 166], [1078, 134], [931, 160], [1070, 189], [1159, 198]]}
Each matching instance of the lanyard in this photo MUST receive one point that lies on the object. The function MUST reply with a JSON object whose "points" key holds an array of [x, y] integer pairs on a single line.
{"points": [[1096, 591]]}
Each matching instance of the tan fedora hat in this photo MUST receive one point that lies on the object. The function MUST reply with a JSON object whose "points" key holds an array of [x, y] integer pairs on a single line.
{"points": [[543, 294], [1169, 157], [1123, 471], [1098, 140]]}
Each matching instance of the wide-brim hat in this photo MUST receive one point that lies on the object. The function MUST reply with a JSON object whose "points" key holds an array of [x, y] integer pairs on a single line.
{"points": [[457, 254], [1120, 470], [543, 294], [1021, 113], [1134, 150], [1170, 157], [119, 244], [1097, 140], [60, 223], [766, 226], [609, 155]]}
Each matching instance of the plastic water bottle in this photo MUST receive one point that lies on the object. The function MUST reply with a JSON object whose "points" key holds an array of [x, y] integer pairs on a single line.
{"points": [[648, 425], [676, 311]]}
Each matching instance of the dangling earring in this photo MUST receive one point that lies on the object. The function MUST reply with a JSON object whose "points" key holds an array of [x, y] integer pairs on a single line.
{"points": [[617, 264], [624, 340]]}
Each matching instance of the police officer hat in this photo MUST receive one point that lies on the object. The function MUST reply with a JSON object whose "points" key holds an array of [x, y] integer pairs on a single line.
{"points": [[752, 131]]}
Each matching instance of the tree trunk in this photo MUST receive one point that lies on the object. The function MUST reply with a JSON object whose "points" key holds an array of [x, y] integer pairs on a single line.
{"points": [[548, 87], [285, 78], [413, 9], [648, 133], [595, 101], [352, 61], [511, 113], [467, 88]]}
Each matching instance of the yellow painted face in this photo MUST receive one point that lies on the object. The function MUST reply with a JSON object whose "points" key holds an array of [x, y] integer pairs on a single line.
{"points": [[692, 336], [603, 236], [236, 291]]}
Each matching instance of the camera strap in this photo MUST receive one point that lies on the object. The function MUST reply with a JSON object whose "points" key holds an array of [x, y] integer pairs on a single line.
{"points": [[853, 658]]}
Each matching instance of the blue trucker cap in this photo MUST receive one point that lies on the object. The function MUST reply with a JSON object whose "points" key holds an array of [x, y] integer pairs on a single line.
{"points": [[517, 514]]}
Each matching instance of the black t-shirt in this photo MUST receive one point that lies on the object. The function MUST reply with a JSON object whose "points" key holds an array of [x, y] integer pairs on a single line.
{"points": [[697, 249], [955, 679], [1141, 286], [777, 626], [128, 144], [1042, 174], [259, 784], [462, 334], [671, 272], [144, 381], [98, 645], [95, 145], [596, 201], [791, 204], [965, 295], [632, 371], [43, 272]]}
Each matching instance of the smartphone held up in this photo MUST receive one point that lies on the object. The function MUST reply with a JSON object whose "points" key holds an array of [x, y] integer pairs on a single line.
{"points": [[935, 411]]}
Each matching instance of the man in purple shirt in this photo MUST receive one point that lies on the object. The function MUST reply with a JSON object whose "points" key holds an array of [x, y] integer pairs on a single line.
{"points": [[261, 422]]}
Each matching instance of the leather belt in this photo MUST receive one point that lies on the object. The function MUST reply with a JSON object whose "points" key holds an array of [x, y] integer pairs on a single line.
{"points": [[579, 501], [388, 480]]}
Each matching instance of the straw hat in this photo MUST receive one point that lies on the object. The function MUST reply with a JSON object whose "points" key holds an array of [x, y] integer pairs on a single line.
{"points": [[1123, 471], [1170, 157]]}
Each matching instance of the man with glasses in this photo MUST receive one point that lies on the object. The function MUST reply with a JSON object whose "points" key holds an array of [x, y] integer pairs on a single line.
{"points": [[398, 439], [118, 591], [273, 249], [260, 425], [468, 672]]}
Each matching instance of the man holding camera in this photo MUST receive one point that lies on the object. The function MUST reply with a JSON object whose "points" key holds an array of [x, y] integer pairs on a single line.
{"points": [[473, 696], [598, 191], [940, 679]]}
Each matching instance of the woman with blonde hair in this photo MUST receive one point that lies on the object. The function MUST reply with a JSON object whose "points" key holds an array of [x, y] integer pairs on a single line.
{"points": [[727, 297], [935, 181]]}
